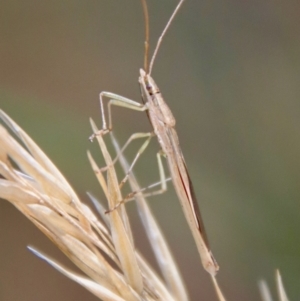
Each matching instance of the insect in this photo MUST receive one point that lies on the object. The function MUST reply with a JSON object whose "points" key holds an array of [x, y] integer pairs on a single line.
{"points": [[163, 123]]}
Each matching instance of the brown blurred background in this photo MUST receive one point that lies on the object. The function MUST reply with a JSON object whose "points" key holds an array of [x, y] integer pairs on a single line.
{"points": [[229, 71]]}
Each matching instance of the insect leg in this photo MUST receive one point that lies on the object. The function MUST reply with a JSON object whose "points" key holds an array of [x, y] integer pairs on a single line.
{"points": [[140, 151], [131, 138], [163, 180], [117, 100], [162, 176]]}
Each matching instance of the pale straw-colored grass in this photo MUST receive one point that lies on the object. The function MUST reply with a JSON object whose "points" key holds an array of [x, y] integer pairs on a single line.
{"points": [[265, 291], [113, 270]]}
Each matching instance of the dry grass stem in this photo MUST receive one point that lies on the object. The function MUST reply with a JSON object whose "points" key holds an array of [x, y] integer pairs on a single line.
{"points": [[218, 289]]}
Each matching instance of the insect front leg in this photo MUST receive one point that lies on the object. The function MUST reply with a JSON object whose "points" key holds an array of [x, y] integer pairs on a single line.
{"points": [[116, 100]]}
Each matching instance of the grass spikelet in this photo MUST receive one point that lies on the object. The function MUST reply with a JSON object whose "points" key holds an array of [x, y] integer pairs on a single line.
{"points": [[34, 186], [120, 229]]}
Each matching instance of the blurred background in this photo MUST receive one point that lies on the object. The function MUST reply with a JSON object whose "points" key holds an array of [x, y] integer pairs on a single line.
{"points": [[229, 71]]}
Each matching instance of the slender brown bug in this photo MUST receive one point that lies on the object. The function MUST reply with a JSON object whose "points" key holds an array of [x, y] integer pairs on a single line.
{"points": [[163, 123]]}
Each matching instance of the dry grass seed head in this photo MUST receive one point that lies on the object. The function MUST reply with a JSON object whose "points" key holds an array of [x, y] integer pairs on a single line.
{"points": [[36, 187]]}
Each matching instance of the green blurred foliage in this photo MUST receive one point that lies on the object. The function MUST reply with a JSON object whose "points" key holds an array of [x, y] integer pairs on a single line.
{"points": [[229, 71]]}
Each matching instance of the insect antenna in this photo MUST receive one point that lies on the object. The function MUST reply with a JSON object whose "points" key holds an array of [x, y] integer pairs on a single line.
{"points": [[146, 43], [162, 35]]}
